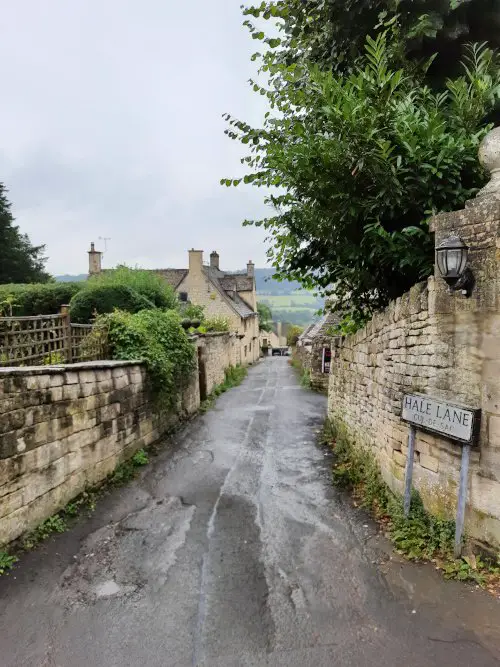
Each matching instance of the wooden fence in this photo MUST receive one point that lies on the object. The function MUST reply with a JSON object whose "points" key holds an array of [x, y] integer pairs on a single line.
{"points": [[47, 339]]}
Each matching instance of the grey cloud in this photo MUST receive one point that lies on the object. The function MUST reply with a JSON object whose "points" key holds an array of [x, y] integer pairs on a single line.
{"points": [[112, 127]]}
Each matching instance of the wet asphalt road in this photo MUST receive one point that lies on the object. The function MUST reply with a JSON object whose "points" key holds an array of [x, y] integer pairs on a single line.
{"points": [[232, 550]]}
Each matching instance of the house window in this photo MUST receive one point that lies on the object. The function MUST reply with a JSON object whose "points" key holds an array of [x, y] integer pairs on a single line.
{"points": [[245, 350], [264, 342], [250, 347], [183, 296]]}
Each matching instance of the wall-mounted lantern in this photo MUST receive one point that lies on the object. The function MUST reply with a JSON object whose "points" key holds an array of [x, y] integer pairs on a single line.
{"points": [[451, 259]]}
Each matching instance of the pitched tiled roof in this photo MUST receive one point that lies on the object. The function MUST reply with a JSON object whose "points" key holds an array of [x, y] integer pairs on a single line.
{"points": [[240, 305], [243, 282], [305, 334], [227, 285], [324, 325], [174, 277]]}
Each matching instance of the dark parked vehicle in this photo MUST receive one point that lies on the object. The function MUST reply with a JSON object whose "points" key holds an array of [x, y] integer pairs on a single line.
{"points": [[280, 352]]}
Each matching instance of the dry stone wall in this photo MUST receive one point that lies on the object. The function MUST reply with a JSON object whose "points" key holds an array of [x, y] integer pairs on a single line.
{"points": [[444, 345], [64, 428]]}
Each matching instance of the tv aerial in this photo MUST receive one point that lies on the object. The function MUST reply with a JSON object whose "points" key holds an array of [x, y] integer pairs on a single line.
{"points": [[105, 239]]}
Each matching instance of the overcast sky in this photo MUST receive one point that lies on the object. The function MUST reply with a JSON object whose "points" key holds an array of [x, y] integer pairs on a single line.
{"points": [[111, 127]]}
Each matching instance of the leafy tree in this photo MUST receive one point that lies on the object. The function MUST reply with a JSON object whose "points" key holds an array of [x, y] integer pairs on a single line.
{"points": [[360, 162], [20, 261], [293, 335], [332, 33], [265, 317]]}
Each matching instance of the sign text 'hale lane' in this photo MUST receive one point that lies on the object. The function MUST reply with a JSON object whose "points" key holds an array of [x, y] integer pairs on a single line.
{"points": [[453, 421]]}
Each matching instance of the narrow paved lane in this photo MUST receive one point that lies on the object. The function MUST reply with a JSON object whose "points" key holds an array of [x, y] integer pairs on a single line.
{"points": [[234, 550]]}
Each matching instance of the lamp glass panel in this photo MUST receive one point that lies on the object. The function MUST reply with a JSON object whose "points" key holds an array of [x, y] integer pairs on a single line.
{"points": [[463, 260], [441, 261], [453, 262]]}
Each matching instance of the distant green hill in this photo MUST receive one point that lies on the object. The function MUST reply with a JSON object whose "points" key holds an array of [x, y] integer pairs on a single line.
{"points": [[266, 284], [71, 279]]}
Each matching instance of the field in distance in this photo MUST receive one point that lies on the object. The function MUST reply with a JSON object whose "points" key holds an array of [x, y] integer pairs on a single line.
{"points": [[300, 307]]}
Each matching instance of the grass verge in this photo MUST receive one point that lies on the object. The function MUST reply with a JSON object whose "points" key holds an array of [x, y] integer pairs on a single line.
{"points": [[421, 536]]}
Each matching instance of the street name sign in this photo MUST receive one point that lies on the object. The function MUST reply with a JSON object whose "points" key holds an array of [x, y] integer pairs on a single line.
{"points": [[453, 421]]}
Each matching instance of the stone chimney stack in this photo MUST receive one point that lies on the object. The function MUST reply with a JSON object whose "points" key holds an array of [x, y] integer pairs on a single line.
{"points": [[195, 261], [95, 260], [214, 259], [251, 269]]}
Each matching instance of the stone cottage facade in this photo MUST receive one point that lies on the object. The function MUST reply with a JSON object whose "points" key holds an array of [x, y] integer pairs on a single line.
{"points": [[314, 349], [221, 293], [273, 338]]}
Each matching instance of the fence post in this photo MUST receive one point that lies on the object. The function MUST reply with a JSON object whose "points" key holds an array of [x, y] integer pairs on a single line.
{"points": [[66, 328]]}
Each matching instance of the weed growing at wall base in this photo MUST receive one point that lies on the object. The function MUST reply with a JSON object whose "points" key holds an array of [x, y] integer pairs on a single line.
{"points": [[421, 536], [234, 376], [63, 520], [7, 561]]}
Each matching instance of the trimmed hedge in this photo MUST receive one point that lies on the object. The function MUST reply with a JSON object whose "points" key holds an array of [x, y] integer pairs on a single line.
{"points": [[148, 283], [101, 299], [36, 299]]}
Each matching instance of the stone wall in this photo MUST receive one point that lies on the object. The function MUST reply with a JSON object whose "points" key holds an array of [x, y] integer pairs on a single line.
{"points": [[218, 352], [64, 428], [444, 345]]}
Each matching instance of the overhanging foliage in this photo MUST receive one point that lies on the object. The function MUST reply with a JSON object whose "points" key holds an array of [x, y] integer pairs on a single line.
{"points": [[355, 164]]}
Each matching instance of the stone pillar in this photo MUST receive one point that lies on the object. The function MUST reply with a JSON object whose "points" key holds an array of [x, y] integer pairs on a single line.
{"points": [[95, 259]]}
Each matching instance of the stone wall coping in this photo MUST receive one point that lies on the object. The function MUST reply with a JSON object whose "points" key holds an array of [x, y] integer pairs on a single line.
{"points": [[212, 334], [9, 371]]}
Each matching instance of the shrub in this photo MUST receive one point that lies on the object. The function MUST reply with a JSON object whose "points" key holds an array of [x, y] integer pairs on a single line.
{"points": [[293, 335], [216, 323], [157, 338], [37, 299], [101, 299], [147, 283], [191, 312]]}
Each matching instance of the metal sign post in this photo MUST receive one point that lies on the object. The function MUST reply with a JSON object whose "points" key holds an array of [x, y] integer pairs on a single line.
{"points": [[462, 498], [409, 468]]}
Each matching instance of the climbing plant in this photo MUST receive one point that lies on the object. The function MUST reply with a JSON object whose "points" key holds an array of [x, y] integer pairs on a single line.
{"points": [[157, 338]]}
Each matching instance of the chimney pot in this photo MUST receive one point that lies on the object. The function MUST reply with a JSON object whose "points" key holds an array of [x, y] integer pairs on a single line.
{"points": [[95, 258], [214, 259], [195, 261]]}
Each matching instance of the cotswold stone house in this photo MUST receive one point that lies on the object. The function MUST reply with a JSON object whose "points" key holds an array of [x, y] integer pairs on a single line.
{"points": [[313, 349], [274, 338], [221, 293]]}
